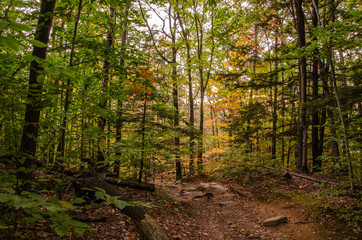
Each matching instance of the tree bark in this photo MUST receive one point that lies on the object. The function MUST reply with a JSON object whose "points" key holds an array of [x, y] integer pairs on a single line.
{"points": [[316, 151], [119, 121], [275, 100], [175, 95], [33, 107], [185, 33], [302, 116], [103, 102], [143, 149], [203, 80], [61, 146]]}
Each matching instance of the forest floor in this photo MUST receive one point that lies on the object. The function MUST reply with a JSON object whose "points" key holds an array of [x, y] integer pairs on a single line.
{"points": [[187, 213]]}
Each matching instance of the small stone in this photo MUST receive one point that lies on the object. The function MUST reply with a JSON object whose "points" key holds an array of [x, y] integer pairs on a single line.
{"points": [[275, 221], [213, 188], [203, 187], [228, 195], [217, 189], [227, 203]]}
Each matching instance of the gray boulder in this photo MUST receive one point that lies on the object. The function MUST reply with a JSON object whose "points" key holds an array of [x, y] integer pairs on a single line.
{"points": [[275, 221]]}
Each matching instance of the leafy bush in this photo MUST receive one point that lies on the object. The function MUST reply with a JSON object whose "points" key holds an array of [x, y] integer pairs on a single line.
{"points": [[21, 211]]}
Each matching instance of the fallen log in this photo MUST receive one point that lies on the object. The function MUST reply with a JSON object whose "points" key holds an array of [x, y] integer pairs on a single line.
{"points": [[310, 178], [286, 174], [132, 184], [89, 219], [147, 226]]}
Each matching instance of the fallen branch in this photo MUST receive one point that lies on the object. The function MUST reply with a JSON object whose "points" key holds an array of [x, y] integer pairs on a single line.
{"points": [[285, 173], [89, 219], [132, 184], [310, 178]]}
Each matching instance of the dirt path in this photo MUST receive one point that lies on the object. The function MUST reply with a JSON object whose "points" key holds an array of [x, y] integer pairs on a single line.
{"points": [[228, 216]]}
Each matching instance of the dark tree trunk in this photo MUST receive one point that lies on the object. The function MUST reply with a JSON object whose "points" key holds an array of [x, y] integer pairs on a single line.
{"points": [[334, 144], [103, 103], [190, 97], [275, 100], [283, 122], [302, 118], [192, 113], [119, 122], [61, 146], [199, 21], [176, 105], [143, 150], [34, 105], [316, 151]]}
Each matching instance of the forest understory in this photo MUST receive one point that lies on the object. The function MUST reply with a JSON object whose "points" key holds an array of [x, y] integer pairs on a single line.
{"points": [[244, 198]]}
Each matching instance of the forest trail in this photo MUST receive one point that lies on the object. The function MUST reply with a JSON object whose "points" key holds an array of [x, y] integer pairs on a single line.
{"points": [[196, 215]]}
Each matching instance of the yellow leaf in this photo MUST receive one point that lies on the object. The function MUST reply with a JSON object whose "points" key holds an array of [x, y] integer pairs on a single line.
{"points": [[103, 144]]}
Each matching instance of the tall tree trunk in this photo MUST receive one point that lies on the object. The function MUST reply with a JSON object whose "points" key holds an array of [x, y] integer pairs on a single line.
{"points": [[119, 121], [332, 128], [33, 107], [191, 112], [61, 146], [255, 55], [199, 21], [341, 116], [175, 93], [103, 103], [302, 116], [283, 122], [176, 115], [185, 33], [200, 35], [316, 151], [143, 139], [275, 100]]}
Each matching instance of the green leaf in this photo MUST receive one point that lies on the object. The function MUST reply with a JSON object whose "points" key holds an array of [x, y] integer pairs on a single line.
{"points": [[29, 58], [10, 43], [53, 208], [77, 201], [9, 190], [40, 78], [76, 223], [100, 195], [4, 197], [22, 202], [20, 27], [62, 229], [120, 204], [37, 43], [79, 230], [53, 70]]}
